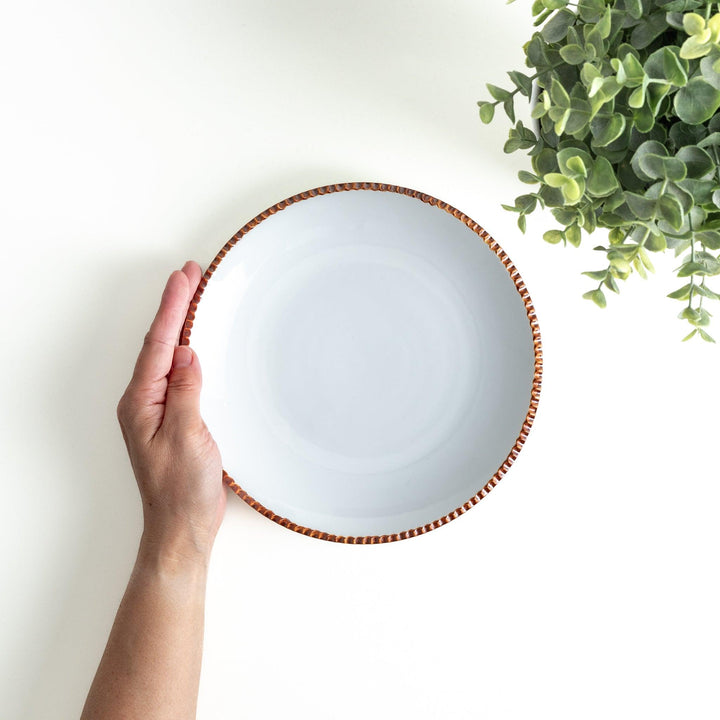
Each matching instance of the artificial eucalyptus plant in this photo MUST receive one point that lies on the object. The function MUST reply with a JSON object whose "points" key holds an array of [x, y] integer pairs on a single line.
{"points": [[625, 99]]}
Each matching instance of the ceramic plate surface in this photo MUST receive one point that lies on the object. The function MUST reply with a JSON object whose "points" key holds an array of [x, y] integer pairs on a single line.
{"points": [[371, 362]]}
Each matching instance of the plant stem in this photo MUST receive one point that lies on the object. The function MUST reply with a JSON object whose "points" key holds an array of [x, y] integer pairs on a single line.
{"points": [[532, 77], [692, 259]]}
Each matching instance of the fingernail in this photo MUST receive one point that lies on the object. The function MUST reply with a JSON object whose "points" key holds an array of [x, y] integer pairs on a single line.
{"points": [[183, 357]]}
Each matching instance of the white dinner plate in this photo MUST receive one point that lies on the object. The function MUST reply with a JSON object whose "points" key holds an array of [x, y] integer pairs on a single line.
{"points": [[371, 362]]}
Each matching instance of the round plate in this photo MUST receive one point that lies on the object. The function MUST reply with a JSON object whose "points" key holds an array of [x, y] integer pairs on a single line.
{"points": [[371, 362]]}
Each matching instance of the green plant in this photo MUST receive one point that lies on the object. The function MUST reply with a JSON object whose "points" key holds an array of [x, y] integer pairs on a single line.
{"points": [[627, 137]]}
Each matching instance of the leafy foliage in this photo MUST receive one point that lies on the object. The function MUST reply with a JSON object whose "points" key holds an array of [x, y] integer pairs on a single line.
{"points": [[626, 99]]}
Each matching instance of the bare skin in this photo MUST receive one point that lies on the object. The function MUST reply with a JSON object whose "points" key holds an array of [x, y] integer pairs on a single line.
{"points": [[151, 665]]}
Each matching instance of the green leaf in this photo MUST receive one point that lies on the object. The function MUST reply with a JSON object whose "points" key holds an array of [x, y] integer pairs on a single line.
{"points": [[634, 8], [655, 95], [686, 200], [538, 111], [597, 296], [522, 223], [604, 24], [644, 119], [709, 238], [714, 26], [693, 24], [682, 134], [611, 220], [559, 95], [703, 319], [596, 274], [555, 180], [607, 128], [487, 112], [689, 314], [535, 51], [700, 190], [682, 293], [642, 208], [589, 73], [712, 140], [654, 243], [577, 166], [545, 161], [679, 245], [591, 10], [554, 4], [602, 180], [692, 315], [572, 190], [522, 82], [657, 166], [650, 27], [697, 101], [671, 210], [689, 335], [579, 117], [553, 236], [594, 44], [639, 268], [691, 268], [498, 93], [637, 98], [567, 155], [509, 108], [709, 72], [557, 27], [512, 144], [705, 336], [695, 47], [673, 69], [611, 284], [528, 177], [631, 70], [618, 262], [573, 235], [698, 163], [706, 292], [561, 118], [572, 54], [526, 203]]}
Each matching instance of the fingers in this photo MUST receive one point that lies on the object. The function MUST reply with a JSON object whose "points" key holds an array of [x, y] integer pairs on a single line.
{"points": [[182, 403], [155, 359], [193, 273]]}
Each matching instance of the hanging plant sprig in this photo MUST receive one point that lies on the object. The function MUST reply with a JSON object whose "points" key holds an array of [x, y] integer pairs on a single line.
{"points": [[625, 96]]}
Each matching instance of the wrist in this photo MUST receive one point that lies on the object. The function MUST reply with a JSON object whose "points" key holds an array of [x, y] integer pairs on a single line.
{"points": [[173, 553]]}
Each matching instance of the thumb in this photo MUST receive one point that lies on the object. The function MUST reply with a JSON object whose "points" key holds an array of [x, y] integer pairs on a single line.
{"points": [[182, 404]]}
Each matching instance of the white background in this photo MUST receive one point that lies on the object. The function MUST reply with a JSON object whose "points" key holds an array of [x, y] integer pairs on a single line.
{"points": [[138, 135]]}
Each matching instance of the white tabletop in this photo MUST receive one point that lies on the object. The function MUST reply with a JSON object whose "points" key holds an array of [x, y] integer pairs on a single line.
{"points": [[138, 135]]}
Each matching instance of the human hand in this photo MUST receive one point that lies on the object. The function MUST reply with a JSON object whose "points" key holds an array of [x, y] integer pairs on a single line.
{"points": [[175, 459]]}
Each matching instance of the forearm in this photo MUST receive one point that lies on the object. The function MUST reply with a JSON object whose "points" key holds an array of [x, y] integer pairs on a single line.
{"points": [[151, 665]]}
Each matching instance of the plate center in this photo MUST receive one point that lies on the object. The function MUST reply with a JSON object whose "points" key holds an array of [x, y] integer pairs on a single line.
{"points": [[362, 358]]}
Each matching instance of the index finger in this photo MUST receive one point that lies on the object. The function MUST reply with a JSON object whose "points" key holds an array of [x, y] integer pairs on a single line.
{"points": [[155, 358]]}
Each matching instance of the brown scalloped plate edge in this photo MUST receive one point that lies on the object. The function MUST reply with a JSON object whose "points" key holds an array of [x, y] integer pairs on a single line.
{"points": [[537, 349]]}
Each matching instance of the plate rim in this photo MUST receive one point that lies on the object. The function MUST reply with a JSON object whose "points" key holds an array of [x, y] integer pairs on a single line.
{"points": [[519, 286]]}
